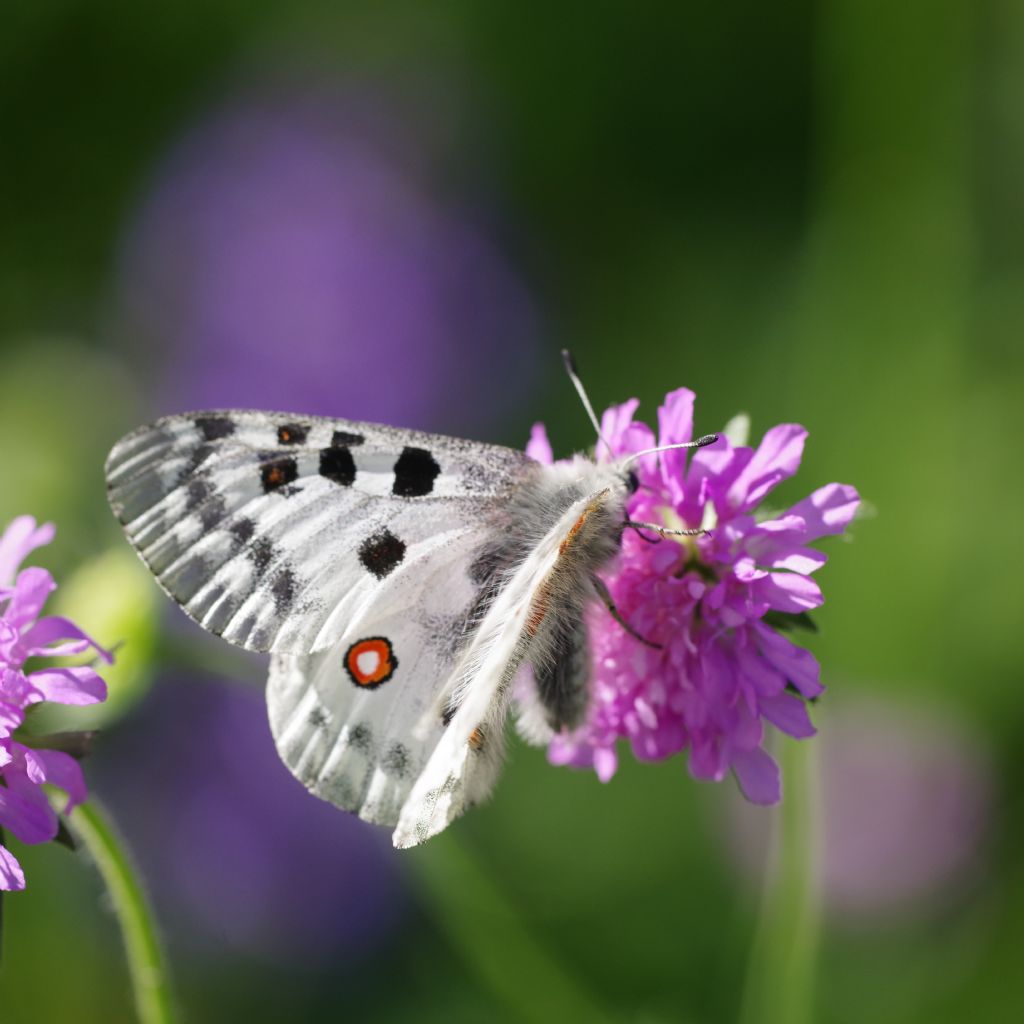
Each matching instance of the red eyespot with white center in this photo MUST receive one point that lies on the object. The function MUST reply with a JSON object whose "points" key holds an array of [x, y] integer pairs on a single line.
{"points": [[370, 662]]}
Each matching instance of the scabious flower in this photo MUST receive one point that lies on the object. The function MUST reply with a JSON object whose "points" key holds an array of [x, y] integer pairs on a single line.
{"points": [[24, 809], [711, 602]]}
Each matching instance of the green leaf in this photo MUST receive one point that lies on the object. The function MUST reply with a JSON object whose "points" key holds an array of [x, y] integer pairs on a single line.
{"points": [[790, 620]]}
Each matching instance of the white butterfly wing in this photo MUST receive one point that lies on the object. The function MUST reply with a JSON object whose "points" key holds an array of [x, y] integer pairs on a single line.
{"points": [[276, 531], [462, 767], [345, 719], [355, 554]]}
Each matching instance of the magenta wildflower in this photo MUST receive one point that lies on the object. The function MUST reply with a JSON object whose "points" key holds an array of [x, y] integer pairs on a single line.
{"points": [[24, 809], [711, 602]]}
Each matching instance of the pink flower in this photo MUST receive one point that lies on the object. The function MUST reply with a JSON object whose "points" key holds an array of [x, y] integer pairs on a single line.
{"points": [[24, 808], [712, 603]]}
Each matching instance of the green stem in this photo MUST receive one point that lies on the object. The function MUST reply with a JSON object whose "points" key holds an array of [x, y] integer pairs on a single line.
{"points": [[780, 974], [146, 966]]}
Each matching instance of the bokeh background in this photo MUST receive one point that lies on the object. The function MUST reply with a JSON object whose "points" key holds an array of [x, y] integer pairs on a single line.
{"points": [[400, 212]]}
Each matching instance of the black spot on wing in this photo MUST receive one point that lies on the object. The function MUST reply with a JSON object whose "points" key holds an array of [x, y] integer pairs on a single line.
{"points": [[343, 439], [317, 718], [195, 460], [202, 496], [262, 553], [199, 489], [415, 473], [397, 760], [278, 471], [243, 530], [361, 738], [292, 433], [382, 553], [338, 465], [282, 589], [215, 428]]}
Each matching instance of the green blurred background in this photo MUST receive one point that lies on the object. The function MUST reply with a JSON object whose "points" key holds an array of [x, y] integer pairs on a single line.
{"points": [[806, 211]]}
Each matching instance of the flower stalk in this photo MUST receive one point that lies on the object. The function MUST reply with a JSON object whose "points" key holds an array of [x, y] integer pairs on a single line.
{"points": [[147, 967], [779, 986]]}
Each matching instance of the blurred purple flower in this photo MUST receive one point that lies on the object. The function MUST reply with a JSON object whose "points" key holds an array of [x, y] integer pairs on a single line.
{"points": [[24, 809], [239, 860], [722, 670], [287, 259], [906, 799]]}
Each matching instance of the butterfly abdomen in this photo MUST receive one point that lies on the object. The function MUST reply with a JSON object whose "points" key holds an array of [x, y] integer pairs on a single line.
{"points": [[561, 677]]}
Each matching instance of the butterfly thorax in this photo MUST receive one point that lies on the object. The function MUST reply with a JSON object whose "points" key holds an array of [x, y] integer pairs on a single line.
{"points": [[538, 506], [559, 528]]}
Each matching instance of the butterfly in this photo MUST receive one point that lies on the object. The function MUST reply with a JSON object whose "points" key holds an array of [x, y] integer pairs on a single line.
{"points": [[399, 580]]}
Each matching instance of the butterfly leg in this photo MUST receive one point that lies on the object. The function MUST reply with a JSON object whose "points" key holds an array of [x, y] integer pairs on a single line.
{"points": [[609, 603]]}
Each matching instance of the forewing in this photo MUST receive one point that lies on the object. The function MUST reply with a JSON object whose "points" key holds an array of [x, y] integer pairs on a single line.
{"points": [[276, 531]]}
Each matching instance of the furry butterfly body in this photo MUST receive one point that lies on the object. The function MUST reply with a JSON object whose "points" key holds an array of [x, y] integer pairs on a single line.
{"points": [[398, 579]]}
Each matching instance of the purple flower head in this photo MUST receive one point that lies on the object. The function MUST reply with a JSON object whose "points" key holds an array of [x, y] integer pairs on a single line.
{"points": [[712, 602], [24, 809], [908, 794]]}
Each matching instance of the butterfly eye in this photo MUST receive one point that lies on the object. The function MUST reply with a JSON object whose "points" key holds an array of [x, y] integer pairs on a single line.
{"points": [[632, 482]]}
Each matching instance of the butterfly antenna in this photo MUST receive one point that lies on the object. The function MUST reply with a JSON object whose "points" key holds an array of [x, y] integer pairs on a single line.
{"points": [[570, 368], [699, 443]]}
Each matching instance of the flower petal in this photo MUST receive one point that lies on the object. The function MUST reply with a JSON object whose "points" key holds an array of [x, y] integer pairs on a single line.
{"points": [[765, 679], [31, 590], [706, 761], [746, 571], [617, 419], [16, 689], [803, 560], [675, 417], [28, 819], [539, 447], [675, 426], [77, 685], [758, 776], [61, 770], [789, 714], [11, 718], [564, 750], [606, 763], [798, 665], [12, 878], [787, 592], [54, 628], [828, 510], [21, 536], [777, 458], [712, 471], [622, 433]]}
